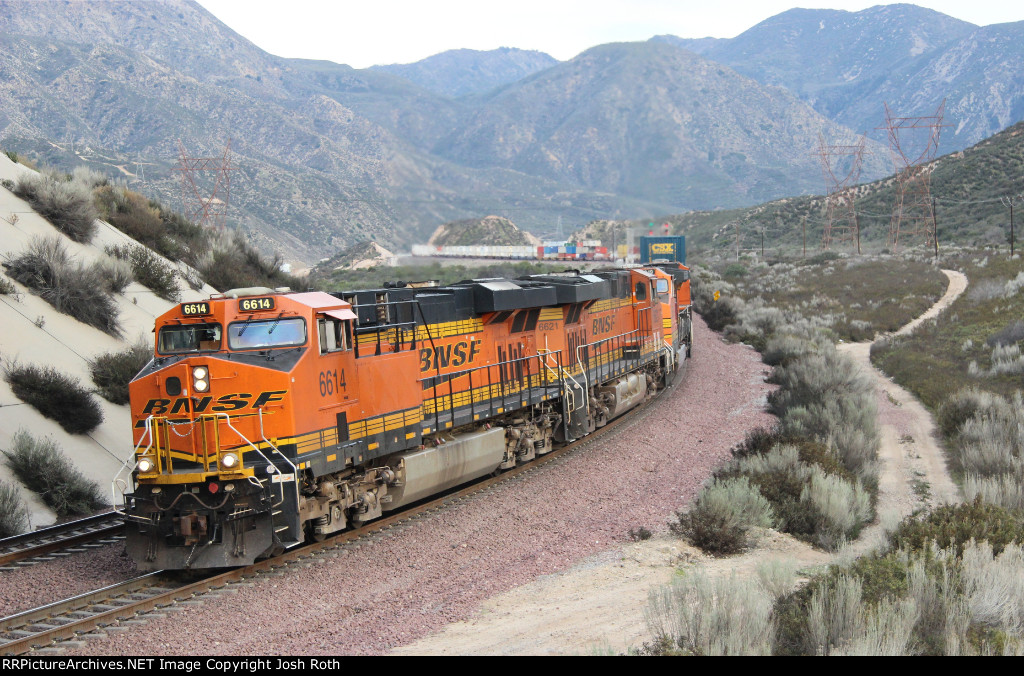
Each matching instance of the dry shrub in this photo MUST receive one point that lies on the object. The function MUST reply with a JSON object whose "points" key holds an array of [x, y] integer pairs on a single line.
{"points": [[56, 395], [42, 466], [116, 273], [1004, 490], [712, 617], [843, 507], [112, 371], [14, 516], [149, 270], [72, 288], [65, 203]]}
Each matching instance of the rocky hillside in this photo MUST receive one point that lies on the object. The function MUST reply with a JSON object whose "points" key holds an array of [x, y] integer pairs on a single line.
{"points": [[357, 257], [652, 121], [461, 72], [487, 231]]}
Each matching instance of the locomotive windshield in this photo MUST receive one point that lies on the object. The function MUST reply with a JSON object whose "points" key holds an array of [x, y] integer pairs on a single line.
{"points": [[189, 338], [251, 334]]}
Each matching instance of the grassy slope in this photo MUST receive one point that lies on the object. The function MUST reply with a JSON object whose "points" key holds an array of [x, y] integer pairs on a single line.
{"points": [[967, 186], [933, 362]]}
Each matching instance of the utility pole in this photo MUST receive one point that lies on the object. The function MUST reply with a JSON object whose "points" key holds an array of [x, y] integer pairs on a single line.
{"points": [[1010, 202], [737, 240], [762, 242], [935, 231], [805, 237]]}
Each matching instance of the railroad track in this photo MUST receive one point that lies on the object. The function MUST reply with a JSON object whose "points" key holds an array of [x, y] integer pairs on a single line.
{"points": [[60, 540], [126, 603]]}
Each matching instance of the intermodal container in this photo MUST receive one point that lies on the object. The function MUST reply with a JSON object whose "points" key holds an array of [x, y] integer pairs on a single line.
{"points": [[670, 248]]}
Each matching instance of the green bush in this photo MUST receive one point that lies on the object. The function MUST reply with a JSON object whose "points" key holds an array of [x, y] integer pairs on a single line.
{"points": [[56, 395], [721, 516], [43, 468], [70, 287], [149, 270], [65, 203], [952, 526], [13, 512], [812, 495], [7, 288], [112, 371], [961, 407]]}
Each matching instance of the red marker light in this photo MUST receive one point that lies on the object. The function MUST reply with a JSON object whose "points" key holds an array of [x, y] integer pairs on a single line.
{"points": [[214, 487]]}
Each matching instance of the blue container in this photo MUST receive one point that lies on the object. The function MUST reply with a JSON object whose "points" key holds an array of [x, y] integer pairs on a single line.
{"points": [[671, 248]]}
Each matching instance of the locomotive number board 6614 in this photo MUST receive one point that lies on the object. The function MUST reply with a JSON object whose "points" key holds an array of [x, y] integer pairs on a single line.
{"points": [[195, 309], [255, 304]]}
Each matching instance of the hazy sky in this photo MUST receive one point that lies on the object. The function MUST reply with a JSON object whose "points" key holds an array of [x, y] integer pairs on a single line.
{"points": [[363, 33]]}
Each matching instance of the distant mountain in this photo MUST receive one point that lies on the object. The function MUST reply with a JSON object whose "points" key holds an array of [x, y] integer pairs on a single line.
{"points": [[461, 72], [696, 45], [651, 121], [848, 64]]}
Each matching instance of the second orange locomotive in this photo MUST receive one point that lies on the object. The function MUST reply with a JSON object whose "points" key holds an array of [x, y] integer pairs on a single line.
{"points": [[268, 417]]}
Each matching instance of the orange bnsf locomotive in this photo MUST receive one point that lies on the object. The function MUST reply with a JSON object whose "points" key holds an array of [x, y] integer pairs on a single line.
{"points": [[267, 418]]}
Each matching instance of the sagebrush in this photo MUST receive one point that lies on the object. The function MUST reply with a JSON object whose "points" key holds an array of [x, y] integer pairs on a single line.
{"points": [[56, 395], [41, 465]]}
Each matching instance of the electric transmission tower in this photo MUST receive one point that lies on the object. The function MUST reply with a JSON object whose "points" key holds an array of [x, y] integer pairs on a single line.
{"points": [[205, 206], [913, 143], [841, 224]]}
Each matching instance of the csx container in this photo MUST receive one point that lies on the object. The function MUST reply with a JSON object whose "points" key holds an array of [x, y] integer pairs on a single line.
{"points": [[672, 248]]}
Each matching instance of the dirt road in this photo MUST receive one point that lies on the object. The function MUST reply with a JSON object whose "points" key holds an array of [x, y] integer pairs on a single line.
{"points": [[597, 605]]}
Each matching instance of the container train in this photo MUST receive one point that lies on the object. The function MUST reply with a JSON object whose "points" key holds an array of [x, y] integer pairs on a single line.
{"points": [[268, 418], [668, 247]]}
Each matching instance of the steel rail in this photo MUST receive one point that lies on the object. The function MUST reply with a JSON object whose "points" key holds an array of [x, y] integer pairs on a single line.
{"points": [[22, 548]]}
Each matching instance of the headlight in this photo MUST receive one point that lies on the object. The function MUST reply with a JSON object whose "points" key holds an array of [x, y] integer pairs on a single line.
{"points": [[200, 379], [228, 461], [145, 465]]}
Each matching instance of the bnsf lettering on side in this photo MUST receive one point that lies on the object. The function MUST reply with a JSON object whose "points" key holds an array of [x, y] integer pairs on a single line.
{"points": [[455, 355], [603, 325]]}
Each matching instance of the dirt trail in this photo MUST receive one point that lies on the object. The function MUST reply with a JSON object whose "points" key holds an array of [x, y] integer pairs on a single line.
{"points": [[597, 605], [914, 472]]}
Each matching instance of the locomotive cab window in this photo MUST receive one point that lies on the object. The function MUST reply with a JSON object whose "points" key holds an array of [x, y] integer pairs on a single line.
{"points": [[189, 338], [251, 334], [641, 291], [663, 291], [334, 334]]}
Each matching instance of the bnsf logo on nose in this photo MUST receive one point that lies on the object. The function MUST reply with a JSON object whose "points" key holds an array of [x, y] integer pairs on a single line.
{"points": [[603, 324], [224, 403]]}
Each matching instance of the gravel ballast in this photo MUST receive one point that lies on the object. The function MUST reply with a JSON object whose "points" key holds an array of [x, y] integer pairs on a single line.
{"points": [[63, 577], [414, 579]]}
